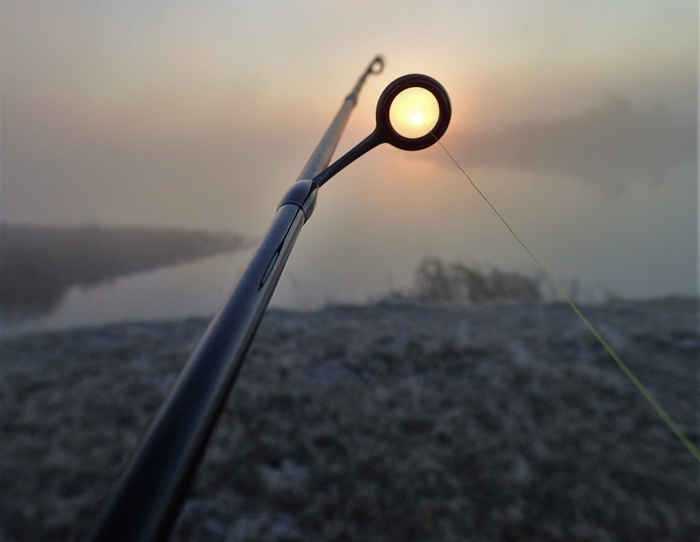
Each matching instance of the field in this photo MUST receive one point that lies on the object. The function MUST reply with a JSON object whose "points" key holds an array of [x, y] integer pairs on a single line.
{"points": [[389, 421]]}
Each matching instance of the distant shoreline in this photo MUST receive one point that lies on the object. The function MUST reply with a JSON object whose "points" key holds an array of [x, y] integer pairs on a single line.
{"points": [[38, 264]]}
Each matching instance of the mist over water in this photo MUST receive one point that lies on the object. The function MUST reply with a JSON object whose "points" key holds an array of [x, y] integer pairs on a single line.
{"points": [[353, 272], [58, 277], [182, 291], [197, 289], [368, 235], [577, 123]]}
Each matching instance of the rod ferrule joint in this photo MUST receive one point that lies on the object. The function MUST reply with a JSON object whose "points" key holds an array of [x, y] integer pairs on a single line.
{"points": [[302, 194]]}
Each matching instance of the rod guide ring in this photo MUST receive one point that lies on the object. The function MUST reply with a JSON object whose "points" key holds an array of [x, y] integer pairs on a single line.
{"points": [[389, 133]]}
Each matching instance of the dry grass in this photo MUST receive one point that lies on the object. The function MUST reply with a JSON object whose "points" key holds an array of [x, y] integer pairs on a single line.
{"points": [[383, 422]]}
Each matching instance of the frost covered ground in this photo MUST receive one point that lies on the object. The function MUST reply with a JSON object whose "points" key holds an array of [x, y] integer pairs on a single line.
{"points": [[392, 422]]}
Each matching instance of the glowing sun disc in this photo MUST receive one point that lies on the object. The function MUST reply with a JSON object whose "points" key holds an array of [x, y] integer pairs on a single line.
{"points": [[414, 112], [417, 118]]}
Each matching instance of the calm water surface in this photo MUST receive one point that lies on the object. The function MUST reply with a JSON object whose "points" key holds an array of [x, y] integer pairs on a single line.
{"points": [[193, 289]]}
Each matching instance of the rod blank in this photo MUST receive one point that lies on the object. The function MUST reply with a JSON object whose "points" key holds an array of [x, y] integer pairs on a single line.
{"points": [[146, 500]]}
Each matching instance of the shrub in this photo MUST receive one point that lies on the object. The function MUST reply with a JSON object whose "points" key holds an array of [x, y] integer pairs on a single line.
{"points": [[439, 282]]}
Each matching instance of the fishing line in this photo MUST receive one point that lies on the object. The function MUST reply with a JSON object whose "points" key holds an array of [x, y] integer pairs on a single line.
{"points": [[668, 420]]}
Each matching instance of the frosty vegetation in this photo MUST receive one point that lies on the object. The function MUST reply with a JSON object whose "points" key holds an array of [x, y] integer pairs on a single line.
{"points": [[440, 282], [395, 421]]}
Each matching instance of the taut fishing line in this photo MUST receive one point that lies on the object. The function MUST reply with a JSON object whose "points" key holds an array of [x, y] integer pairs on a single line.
{"points": [[665, 416]]}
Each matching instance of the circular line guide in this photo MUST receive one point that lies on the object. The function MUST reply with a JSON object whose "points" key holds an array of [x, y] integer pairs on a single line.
{"points": [[420, 101]]}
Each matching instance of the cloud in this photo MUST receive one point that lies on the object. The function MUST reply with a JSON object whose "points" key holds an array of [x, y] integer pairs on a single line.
{"points": [[609, 146]]}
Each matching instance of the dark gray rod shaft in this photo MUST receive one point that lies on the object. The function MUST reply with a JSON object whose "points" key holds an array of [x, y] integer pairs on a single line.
{"points": [[151, 491], [324, 151]]}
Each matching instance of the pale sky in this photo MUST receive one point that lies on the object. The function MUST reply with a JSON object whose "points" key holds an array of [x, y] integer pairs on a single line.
{"points": [[578, 120]]}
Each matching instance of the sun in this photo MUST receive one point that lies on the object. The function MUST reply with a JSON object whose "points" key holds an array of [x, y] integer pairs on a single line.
{"points": [[417, 118], [414, 112]]}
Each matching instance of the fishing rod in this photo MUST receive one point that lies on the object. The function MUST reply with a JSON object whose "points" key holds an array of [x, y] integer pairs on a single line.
{"points": [[146, 500]]}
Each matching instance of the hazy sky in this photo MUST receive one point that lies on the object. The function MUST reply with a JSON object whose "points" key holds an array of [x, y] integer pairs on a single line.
{"points": [[578, 120]]}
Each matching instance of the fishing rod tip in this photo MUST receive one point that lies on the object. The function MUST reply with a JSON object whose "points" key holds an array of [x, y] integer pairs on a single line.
{"points": [[377, 65]]}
